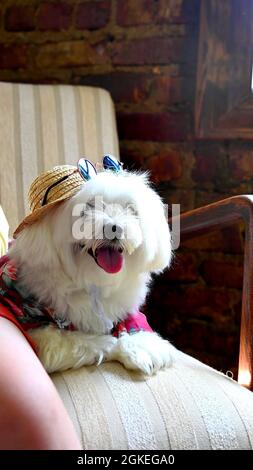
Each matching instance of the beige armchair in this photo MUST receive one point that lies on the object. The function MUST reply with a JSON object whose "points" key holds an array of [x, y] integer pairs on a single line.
{"points": [[188, 406]]}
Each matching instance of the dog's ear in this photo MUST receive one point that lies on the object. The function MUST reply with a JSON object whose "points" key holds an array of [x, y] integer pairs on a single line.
{"points": [[157, 247]]}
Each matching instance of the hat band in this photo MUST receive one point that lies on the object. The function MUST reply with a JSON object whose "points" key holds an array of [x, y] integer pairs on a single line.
{"points": [[44, 201]]}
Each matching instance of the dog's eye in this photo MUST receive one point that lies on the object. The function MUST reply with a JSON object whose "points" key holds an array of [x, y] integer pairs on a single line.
{"points": [[132, 210], [90, 205]]}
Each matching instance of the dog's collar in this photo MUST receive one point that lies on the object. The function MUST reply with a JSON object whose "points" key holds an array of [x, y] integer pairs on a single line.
{"points": [[27, 310]]}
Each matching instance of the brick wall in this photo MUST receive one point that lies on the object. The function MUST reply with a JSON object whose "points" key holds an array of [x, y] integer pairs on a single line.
{"points": [[144, 53]]}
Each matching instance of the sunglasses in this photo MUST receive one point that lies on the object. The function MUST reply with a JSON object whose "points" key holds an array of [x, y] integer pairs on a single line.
{"points": [[87, 171]]}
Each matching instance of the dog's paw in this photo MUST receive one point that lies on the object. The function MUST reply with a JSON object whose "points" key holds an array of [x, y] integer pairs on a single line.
{"points": [[60, 350], [143, 351], [92, 350]]}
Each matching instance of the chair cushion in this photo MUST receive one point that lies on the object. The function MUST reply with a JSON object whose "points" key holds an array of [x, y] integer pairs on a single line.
{"points": [[46, 125], [188, 406]]}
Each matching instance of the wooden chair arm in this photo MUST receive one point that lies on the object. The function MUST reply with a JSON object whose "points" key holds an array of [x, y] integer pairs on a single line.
{"points": [[216, 216]]}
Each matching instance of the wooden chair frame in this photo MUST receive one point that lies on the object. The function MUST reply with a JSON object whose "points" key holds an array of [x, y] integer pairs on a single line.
{"points": [[216, 216]]}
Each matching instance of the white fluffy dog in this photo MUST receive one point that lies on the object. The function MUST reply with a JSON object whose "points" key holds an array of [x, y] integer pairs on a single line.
{"points": [[94, 280]]}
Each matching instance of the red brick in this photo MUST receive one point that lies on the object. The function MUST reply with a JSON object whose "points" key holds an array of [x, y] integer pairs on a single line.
{"points": [[205, 168], [20, 18], [200, 301], [165, 166], [204, 198], [156, 50], [193, 301], [123, 86], [241, 164], [167, 90], [177, 11], [211, 165], [227, 240], [54, 16], [160, 127], [92, 15], [13, 56], [215, 339], [222, 274], [132, 12], [70, 54], [197, 301], [184, 197], [184, 268]]}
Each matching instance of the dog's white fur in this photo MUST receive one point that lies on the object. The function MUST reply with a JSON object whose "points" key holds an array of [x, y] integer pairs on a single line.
{"points": [[57, 269]]}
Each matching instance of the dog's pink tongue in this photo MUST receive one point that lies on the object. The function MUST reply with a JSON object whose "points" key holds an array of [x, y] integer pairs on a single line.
{"points": [[109, 259]]}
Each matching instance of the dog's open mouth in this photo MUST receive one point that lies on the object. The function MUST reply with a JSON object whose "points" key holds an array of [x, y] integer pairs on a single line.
{"points": [[110, 259]]}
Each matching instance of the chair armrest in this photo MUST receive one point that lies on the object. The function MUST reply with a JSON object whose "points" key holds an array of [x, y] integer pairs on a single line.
{"points": [[216, 216], [4, 232]]}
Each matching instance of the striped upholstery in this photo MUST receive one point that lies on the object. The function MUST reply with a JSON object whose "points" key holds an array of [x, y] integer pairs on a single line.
{"points": [[188, 406], [45, 125]]}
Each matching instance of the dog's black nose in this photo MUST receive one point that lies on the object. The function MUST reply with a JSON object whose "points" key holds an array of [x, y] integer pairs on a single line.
{"points": [[112, 231]]}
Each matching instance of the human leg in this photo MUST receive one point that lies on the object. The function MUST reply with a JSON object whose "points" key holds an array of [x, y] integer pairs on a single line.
{"points": [[32, 415]]}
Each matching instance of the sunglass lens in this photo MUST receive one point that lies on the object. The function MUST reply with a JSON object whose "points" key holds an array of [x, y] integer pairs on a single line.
{"points": [[86, 169], [111, 163]]}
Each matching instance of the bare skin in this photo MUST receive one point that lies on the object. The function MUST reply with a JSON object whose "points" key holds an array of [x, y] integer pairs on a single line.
{"points": [[32, 415]]}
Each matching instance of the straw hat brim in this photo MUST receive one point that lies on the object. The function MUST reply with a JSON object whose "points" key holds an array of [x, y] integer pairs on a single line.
{"points": [[40, 212]]}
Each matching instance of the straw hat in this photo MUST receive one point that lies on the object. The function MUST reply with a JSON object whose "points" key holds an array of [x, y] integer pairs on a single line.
{"points": [[49, 189]]}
